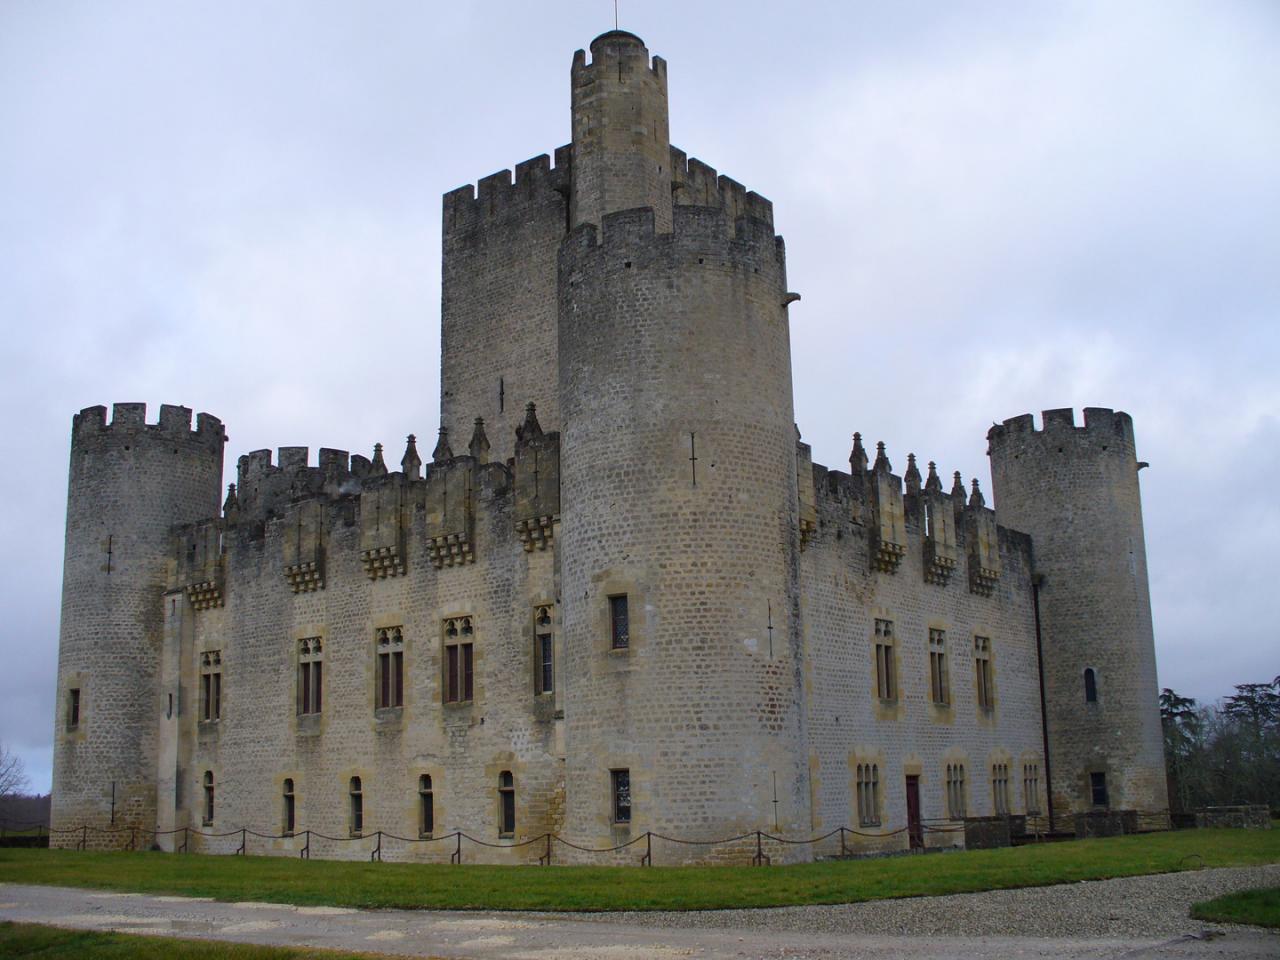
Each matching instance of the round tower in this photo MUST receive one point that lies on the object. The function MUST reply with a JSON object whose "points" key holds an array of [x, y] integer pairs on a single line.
{"points": [[621, 145], [1075, 491], [130, 482], [679, 525]]}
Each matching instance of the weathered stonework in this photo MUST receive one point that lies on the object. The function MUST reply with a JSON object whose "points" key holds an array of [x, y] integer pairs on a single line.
{"points": [[799, 649]]}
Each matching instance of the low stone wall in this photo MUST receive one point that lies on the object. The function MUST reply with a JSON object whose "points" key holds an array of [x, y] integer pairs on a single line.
{"points": [[985, 833], [1245, 816], [1105, 823]]}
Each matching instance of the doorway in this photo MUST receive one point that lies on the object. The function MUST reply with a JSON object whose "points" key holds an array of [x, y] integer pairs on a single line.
{"points": [[915, 828]]}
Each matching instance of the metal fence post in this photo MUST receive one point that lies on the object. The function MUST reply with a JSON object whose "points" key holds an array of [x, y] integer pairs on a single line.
{"points": [[844, 851], [456, 856], [376, 853], [84, 837], [241, 851], [647, 859], [305, 852]]}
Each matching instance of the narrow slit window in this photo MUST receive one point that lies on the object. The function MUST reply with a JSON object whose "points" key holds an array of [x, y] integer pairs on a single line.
{"points": [[208, 798], [73, 707], [1090, 685], [544, 672], [620, 789], [506, 804], [619, 622], [426, 806], [290, 809], [355, 791]]}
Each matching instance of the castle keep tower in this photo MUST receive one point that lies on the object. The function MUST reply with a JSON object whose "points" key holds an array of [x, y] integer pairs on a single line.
{"points": [[130, 482], [678, 480], [1075, 490], [621, 145]]}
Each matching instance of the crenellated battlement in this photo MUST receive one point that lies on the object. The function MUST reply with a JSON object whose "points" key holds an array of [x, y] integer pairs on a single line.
{"points": [[131, 419], [613, 46], [694, 228], [1102, 426], [694, 183], [497, 196]]}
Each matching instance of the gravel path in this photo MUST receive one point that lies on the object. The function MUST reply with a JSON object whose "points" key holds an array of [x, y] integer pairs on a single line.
{"points": [[1138, 917], [1151, 906]]}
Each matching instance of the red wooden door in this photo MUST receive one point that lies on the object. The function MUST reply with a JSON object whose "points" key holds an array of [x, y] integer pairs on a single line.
{"points": [[915, 829]]}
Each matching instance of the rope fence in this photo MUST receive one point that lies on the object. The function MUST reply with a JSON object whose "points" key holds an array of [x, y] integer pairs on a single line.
{"points": [[549, 847]]}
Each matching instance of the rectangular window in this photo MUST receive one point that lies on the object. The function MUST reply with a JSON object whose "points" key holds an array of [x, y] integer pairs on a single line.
{"points": [[1031, 787], [886, 681], [544, 674], [619, 622], [390, 653], [955, 791], [939, 682], [73, 707], [310, 675], [1098, 787], [982, 672], [620, 783], [211, 685], [459, 660], [290, 808], [1000, 789]]}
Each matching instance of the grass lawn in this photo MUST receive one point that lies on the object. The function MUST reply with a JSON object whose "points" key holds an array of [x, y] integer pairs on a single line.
{"points": [[1260, 907], [289, 880], [51, 943]]}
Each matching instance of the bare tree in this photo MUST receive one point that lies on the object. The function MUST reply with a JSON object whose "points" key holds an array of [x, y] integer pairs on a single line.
{"points": [[13, 779]]}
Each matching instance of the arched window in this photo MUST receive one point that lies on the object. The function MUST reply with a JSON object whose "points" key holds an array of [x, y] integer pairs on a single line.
{"points": [[356, 793], [208, 797], [288, 807], [1090, 685], [426, 807], [506, 804]]}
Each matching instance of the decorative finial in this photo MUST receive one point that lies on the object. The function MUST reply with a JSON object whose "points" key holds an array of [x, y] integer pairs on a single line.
{"points": [[479, 445], [932, 484], [976, 499], [957, 487], [411, 463], [442, 453], [912, 476], [231, 506], [530, 429], [858, 459], [379, 466], [882, 462]]}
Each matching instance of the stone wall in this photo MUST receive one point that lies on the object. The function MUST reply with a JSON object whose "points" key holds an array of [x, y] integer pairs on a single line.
{"points": [[849, 724]]}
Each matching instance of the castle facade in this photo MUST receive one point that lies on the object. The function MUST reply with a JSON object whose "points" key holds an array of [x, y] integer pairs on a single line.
{"points": [[620, 597]]}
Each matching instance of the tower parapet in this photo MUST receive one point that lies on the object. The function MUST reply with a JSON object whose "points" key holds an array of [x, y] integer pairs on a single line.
{"points": [[1075, 490], [130, 483]]}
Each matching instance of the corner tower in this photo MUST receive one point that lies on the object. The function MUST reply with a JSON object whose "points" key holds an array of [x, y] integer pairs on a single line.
{"points": [[1075, 491], [621, 143], [130, 482]]}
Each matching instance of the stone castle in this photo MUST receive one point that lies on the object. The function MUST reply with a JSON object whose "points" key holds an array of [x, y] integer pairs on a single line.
{"points": [[621, 597]]}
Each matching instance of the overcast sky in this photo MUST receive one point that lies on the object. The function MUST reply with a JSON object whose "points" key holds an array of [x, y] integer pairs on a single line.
{"points": [[989, 209]]}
